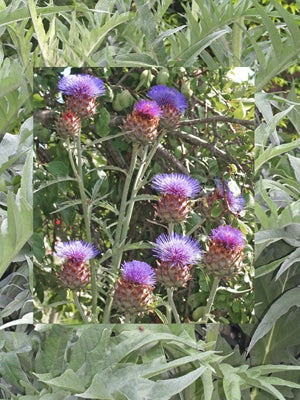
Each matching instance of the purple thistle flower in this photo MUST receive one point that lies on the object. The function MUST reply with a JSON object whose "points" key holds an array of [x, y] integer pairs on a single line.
{"points": [[177, 184], [138, 272], [167, 96], [177, 249], [81, 85], [76, 250], [235, 203], [148, 108], [231, 238]]}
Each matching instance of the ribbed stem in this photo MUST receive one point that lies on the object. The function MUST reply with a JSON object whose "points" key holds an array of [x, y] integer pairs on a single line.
{"points": [[117, 253], [172, 305], [79, 308], [79, 177], [211, 299]]}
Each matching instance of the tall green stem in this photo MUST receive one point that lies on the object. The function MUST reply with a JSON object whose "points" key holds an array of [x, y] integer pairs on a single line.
{"points": [[79, 308], [172, 305], [86, 217], [237, 41], [117, 254], [211, 299]]}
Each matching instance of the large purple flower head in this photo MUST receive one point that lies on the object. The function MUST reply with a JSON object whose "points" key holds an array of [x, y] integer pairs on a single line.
{"points": [[229, 237], [81, 85], [177, 184], [76, 250], [177, 249], [167, 96], [138, 272], [234, 203], [148, 108]]}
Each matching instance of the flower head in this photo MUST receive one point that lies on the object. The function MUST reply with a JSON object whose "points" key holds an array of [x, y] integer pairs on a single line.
{"points": [[227, 236], [176, 184], [177, 249], [138, 272], [234, 203], [81, 85], [167, 96], [147, 108], [76, 250]]}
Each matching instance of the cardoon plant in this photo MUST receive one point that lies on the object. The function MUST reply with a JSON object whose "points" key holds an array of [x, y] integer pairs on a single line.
{"points": [[133, 292], [171, 102], [81, 91], [142, 123], [175, 189]]}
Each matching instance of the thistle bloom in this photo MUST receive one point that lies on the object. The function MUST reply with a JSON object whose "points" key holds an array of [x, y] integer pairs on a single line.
{"points": [[133, 292], [229, 237], [76, 250], [138, 272], [224, 256], [75, 274], [177, 254], [167, 96], [175, 189], [82, 91], [172, 104], [81, 85], [142, 123], [176, 184], [235, 204]]}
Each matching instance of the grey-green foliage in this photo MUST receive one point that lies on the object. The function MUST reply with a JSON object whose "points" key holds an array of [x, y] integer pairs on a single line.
{"points": [[278, 237], [216, 33], [127, 362], [16, 208]]}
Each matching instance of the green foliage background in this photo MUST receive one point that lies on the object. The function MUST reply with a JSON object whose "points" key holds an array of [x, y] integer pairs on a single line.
{"points": [[264, 35]]}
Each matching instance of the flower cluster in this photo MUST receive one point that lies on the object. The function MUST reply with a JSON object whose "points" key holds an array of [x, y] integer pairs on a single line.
{"points": [[163, 109], [81, 91]]}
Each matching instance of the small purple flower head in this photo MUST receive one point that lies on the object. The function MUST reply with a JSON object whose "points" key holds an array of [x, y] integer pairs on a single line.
{"points": [[81, 85], [164, 96], [177, 184], [235, 203], [138, 272], [76, 250], [148, 108], [229, 237], [177, 249]]}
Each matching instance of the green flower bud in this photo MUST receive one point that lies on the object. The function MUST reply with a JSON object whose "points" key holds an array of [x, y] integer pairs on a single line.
{"points": [[116, 104], [146, 78], [162, 77], [126, 99], [186, 89]]}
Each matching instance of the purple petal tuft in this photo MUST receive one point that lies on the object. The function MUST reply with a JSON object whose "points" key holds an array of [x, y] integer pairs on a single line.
{"points": [[138, 272], [76, 250], [177, 249], [177, 184], [164, 96], [228, 236], [80, 85]]}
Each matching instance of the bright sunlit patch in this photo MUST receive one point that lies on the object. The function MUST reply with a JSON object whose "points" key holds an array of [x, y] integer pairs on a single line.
{"points": [[241, 74]]}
